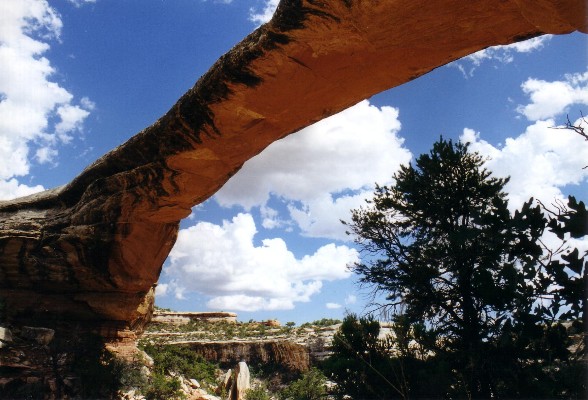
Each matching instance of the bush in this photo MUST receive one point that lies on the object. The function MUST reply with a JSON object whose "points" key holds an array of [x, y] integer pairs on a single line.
{"points": [[258, 393], [323, 322], [131, 376], [181, 360], [311, 386], [162, 387]]}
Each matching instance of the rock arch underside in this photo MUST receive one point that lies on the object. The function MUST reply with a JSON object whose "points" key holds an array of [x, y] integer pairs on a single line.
{"points": [[89, 253]]}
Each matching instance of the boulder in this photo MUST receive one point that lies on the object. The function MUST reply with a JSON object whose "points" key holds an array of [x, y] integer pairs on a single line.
{"points": [[42, 336], [241, 381], [5, 336]]}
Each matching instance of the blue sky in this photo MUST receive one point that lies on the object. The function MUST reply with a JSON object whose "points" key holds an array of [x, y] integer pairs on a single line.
{"points": [[78, 78]]}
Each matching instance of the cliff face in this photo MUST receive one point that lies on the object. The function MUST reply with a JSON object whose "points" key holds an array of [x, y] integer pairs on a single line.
{"points": [[290, 356], [182, 318], [88, 254]]}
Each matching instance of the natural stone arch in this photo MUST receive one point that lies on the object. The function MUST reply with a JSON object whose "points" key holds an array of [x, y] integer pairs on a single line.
{"points": [[92, 250]]}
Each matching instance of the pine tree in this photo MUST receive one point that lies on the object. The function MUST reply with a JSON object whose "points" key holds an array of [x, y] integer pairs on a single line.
{"points": [[441, 244]]}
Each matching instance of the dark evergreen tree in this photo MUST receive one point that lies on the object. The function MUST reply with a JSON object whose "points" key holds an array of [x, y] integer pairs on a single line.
{"points": [[564, 282], [568, 277], [361, 364], [443, 247]]}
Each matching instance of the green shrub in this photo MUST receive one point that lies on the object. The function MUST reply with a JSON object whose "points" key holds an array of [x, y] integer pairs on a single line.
{"points": [[181, 360], [130, 375], [323, 322], [163, 387], [258, 393], [311, 386]]}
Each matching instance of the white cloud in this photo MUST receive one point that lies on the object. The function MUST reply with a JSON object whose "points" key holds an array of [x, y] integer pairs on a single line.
{"points": [[271, 219], [79, 3], [548, 99], [11, 188], [262, 16], [333, 306], [223, 262], [322, 215], [71, 119], [45, 155], [322, 171], [539, 162], [351, 299], [161, 289], [502, 54], [35, 112]]}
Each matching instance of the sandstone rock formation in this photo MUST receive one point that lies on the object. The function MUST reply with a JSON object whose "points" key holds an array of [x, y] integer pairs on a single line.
{"points": [[182, 318], [238, 381], [285, 354], [89, 253]]}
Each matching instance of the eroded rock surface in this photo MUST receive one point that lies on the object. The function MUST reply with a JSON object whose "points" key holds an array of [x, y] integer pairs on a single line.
{"points": [[183, 318], [88, 254], [284, 354]]}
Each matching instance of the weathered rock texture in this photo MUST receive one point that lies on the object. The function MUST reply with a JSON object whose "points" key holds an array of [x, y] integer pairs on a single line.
{"points": [[182, 318], [284, 354], [241, 382], [89, 253]]}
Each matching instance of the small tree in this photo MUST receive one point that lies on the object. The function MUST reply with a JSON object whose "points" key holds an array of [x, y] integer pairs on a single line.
{"points": [[443, 246], [567, 278], [311, 386], [361, 364]]}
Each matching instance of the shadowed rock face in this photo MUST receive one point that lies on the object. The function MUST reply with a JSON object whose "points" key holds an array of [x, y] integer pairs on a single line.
{"points": [[89, 253], [286, 355]]}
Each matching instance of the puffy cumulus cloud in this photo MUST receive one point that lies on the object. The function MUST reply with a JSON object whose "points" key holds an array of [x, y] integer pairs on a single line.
{"points": [[224, 263], [161, 289], [271, 219], [263, 15], [11, 189], [504, 54], [548, 99], [35, 113], [539, 162], [321, 216], [322, 171], [333, 306], [542, 160]]}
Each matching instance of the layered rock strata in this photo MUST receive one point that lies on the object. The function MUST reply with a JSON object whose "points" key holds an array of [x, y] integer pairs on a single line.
{"points": [[89, 253], [284, 354], [183, 318]]}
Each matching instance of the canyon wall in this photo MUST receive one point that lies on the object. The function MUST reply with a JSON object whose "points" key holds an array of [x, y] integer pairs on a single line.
{"points": [[183, 318], [88, 254], [281, 354]]}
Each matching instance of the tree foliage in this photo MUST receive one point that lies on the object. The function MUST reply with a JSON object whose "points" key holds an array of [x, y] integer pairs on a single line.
{"points": [[566, 278], [462, 275], [360, 361], [311, 386]]}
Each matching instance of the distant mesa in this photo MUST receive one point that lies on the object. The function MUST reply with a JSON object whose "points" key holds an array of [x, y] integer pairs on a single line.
{"points": [[182, 318]]}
